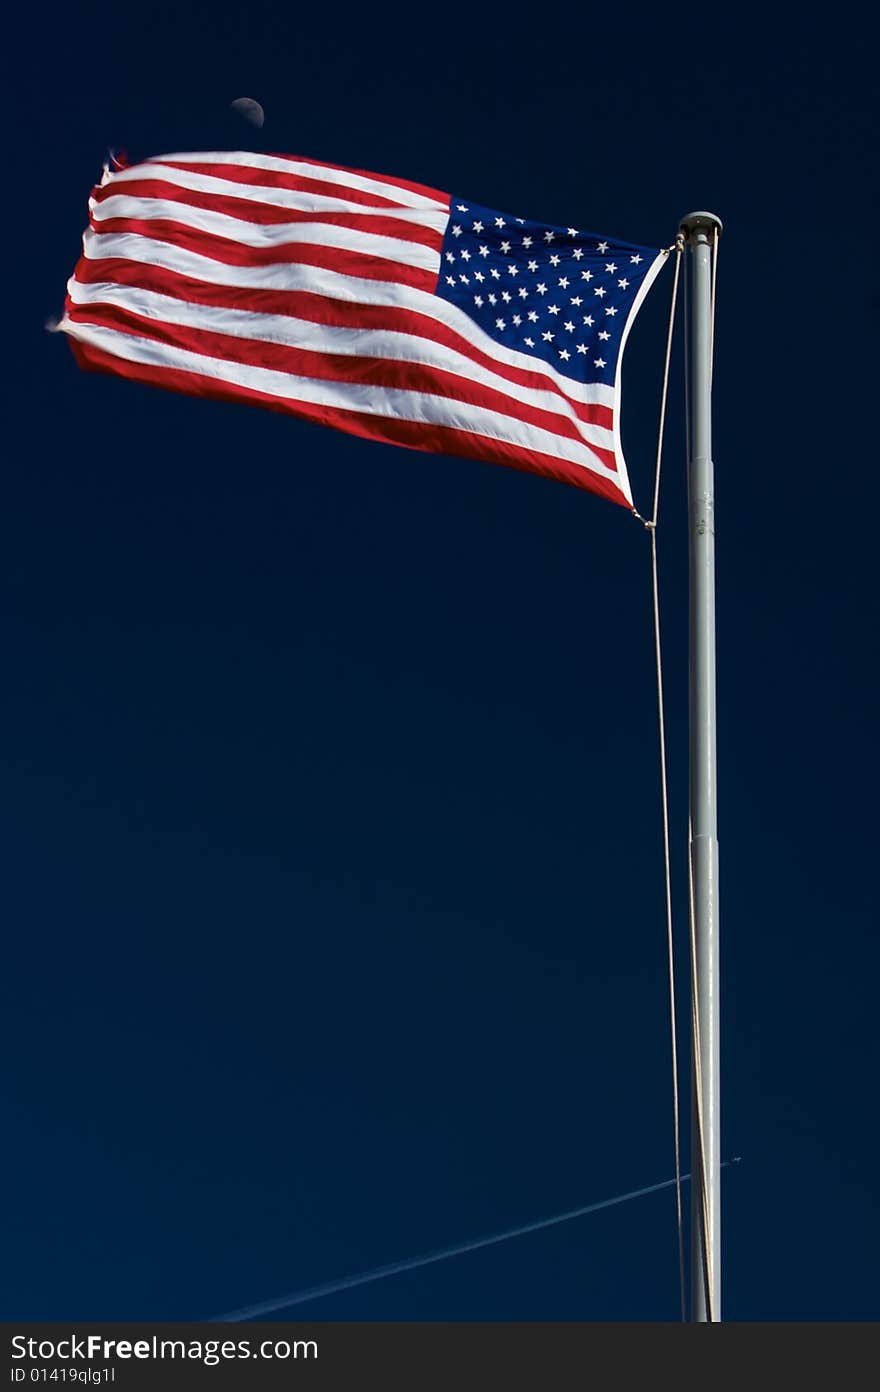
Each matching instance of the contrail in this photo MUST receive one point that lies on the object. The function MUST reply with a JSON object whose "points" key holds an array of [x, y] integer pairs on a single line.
{"points": [[282, 1302]]}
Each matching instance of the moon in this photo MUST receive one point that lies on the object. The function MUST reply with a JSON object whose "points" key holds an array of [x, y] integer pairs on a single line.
{"points": [[249, 109]]}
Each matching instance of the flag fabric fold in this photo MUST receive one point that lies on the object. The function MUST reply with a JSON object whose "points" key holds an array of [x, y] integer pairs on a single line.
{"points": [[371, 304]]}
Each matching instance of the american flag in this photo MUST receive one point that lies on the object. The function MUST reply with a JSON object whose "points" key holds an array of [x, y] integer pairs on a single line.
{"points": [[372, 304]]}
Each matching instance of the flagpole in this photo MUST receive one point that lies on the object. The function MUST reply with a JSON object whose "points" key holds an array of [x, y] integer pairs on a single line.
{"points": [[700, 231]]}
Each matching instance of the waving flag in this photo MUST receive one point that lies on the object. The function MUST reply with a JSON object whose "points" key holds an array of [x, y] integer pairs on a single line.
{"points": [[372, 304]]}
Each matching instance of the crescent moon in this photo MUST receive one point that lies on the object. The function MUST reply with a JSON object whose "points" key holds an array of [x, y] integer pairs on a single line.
{"points": [[249, 109]]}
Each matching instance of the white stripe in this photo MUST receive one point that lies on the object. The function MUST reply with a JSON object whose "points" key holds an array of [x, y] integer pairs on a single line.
{"points": [[656, 266], [383, 345], [398, 404], [291, 199], [351, 289], [255, 234], [328, 173]]}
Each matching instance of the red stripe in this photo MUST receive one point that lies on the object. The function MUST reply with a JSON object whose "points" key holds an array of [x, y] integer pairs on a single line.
{"points": [[366, 265], [335, 367], [320, 309], [434, 439], [386, 224], [273, 178]]}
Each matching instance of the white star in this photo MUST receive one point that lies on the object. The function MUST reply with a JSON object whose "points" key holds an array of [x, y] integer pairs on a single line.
{"points": [[496, 274], [600, 291], [517, 319], [456, 231], [521, 221], [548, 236], [505, 296], [511, 269], [564, 353], [541, 289], [464, 280], [600, 362], [572, 231], [523, 293], [533, 265], [611, 268], [492, 299], [533, 316], [478, 300], [484, 251], [450, 256], [529, 342], [465, 255], [563, 281], [586, 275], [576, 299], [623, 284], [547, 337], [588, 319], [505, 247], [450, 280], [577, 253], [609, 309], [582, 347], [499, 222], [478, 227], [500, 324], [554, 260], [478, 275], [603, 334], [553, 309], [635, 260], [461, 207], [602, 247], [569, 326], [527, 241]]}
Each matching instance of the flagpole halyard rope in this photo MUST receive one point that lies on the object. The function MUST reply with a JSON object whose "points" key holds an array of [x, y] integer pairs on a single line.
{"points": [[698, 1086], [679, 252], [651, 527]]}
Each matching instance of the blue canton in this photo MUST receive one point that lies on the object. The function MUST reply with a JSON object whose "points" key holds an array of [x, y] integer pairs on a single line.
{"points": [[554, 293]]}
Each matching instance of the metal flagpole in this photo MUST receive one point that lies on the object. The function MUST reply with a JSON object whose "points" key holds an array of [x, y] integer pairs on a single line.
{"points": [[700, 231]]}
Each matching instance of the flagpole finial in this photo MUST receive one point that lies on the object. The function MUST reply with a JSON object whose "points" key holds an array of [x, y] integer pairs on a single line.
{"points": [[700, 222]]}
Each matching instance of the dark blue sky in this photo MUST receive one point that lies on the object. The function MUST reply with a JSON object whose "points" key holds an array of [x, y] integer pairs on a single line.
{"points": [[332, 888]]}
